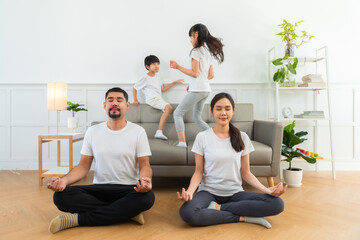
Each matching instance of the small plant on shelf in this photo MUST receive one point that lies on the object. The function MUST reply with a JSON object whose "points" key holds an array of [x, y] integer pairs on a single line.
{"points": [[286, 71], [292, 37], [75, 107], [72, 122]]}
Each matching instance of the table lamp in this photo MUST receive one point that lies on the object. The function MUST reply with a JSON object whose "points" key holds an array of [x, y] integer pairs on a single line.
{"points": [[57, 99]]}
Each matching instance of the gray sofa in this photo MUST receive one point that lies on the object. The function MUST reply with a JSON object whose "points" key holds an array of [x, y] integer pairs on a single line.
{"points": [[168, 160]]}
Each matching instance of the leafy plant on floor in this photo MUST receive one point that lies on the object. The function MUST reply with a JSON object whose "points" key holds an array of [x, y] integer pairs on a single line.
{"points": [[291, 139]]}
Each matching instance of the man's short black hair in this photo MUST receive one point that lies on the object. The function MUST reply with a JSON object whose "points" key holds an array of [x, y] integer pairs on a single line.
{"points": [[117, 89], [151, 59]]}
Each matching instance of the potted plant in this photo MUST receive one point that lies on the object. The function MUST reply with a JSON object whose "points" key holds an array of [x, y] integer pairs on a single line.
{"points": [[290, 35], [293, 176], [72, 122], [285, 74]]}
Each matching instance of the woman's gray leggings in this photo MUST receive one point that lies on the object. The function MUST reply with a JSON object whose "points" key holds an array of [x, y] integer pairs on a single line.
{"points": [[196, 99], [249, 204]]}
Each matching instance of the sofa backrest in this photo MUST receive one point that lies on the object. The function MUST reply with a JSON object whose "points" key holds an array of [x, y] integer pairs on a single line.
{"points": [[148, 118]]}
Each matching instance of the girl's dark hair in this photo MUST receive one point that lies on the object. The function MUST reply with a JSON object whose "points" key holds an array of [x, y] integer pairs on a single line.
{"points": [[214, 44], [235, 136]]}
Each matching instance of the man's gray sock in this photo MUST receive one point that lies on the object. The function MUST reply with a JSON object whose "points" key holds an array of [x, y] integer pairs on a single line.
{"points": [[139, 219], [62, 222], [258, 220]]}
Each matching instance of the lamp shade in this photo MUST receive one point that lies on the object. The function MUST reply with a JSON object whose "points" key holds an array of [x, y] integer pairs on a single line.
{"points": [[57, 96]]}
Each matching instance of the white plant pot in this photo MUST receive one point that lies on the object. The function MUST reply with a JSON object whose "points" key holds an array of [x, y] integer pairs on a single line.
{"points": [[72, 123], [293, 177]]}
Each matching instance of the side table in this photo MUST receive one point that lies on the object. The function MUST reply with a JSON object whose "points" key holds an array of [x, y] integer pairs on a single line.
{"points": [[60, 170]]}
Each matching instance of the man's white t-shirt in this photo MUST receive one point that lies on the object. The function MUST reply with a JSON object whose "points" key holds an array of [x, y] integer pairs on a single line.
{"points": [[201, 83], [150, 86], [222, 164], [115, 152]]}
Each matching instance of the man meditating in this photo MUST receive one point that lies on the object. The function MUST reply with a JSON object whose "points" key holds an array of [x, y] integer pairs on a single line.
{"points": [[122, 175]]}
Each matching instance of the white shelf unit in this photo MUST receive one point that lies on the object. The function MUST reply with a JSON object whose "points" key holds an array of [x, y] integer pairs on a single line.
{"points": [[321, 57]]}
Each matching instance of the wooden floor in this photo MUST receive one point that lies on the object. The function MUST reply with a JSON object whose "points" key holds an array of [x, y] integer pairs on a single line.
{"points": [[321, 209]]}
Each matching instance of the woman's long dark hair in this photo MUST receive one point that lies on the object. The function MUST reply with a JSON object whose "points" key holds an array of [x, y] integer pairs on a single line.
{"points": [[214, 44], [235, 136]]}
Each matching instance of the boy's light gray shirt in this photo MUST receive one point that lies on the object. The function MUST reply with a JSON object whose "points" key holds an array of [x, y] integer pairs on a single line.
{"points": [[150, 86]]}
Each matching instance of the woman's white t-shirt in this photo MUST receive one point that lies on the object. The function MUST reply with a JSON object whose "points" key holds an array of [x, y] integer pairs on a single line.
{"points": [[222, 163], [115, 152], [204, 57]]}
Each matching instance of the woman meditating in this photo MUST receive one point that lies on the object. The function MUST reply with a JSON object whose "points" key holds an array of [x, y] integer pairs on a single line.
{"points": [[222, 161]]}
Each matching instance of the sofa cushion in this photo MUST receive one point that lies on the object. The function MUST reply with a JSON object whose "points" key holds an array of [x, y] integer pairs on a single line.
{"points": [[133, 114], [149, 114], [246, 127], [261, 156], [190, 154], [160, 150], [169, 130], [191, 130]]}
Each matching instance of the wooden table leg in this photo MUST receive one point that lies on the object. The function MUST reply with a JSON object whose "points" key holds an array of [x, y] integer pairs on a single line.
{"points": [[270, 181], [40, 159], [70, 154], [58, 153]]}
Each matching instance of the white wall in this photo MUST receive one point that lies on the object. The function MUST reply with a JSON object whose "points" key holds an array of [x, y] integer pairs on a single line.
{"points": [[106, 41], [93, 45]]}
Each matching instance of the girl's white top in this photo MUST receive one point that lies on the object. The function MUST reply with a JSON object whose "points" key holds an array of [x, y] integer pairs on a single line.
{"points": [[201, 83]]}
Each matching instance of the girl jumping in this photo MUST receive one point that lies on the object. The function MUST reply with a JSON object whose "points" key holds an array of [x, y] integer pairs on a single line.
{"points": [[205, 47]]}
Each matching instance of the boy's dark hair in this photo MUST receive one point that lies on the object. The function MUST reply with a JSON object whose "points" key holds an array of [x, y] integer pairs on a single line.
{"points": [[151, 59], [117, 89]]}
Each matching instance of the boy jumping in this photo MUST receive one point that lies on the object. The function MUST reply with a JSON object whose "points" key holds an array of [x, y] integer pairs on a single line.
{"points": [[152, 87]]}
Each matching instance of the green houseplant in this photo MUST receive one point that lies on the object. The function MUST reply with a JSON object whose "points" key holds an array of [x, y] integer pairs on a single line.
{"points": [[292, 37], [293, 176], [72, 122], [75, 107], [286, 71]]}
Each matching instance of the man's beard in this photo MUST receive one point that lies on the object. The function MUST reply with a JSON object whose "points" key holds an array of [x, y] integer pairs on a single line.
{"points": [[117, 115]]}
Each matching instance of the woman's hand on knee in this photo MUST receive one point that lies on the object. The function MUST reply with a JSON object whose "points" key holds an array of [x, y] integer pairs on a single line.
{"points": [[277, 190], [185, 195]]}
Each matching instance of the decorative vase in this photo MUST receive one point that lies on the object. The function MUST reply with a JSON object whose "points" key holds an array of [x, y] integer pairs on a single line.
{"points": [[289, 80], [290, 49], [293, 176], [72, 123]]}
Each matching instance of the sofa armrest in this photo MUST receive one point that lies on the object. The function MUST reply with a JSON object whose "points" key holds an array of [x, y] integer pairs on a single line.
{"points": [[95, 123], [271, 134]]}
